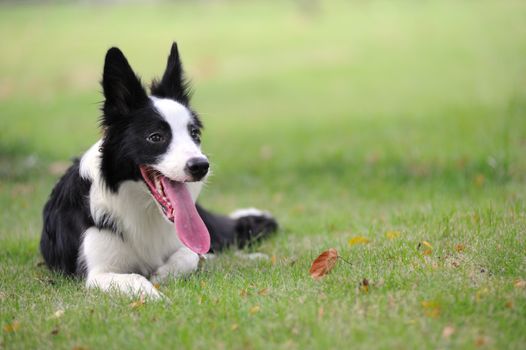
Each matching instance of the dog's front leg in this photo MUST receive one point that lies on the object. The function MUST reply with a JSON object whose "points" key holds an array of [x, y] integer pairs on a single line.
{"points": [[109, 263], [181, 263]]}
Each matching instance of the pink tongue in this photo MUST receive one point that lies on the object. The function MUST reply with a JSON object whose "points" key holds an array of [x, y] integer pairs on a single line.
{"points": [[188, 224]]}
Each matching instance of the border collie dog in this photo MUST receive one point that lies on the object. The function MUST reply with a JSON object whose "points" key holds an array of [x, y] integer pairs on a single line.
{"points": [[124, 216]]}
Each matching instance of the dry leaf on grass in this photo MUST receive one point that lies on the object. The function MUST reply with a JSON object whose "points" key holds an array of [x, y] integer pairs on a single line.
{"points": [[427, 244], [12, 327], [392, 234], [481, 341], [364, 285], [138, 303], [324, 263], [431, 308], [459, 247], [273, 260], [263, 291], [358, 240]]}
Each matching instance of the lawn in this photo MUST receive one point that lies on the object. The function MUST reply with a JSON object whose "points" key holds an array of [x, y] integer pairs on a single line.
{"points": [[393, 123]]}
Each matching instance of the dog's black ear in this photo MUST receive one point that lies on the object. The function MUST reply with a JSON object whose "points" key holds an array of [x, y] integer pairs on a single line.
{"points": [[123, 90], [173, 83]]}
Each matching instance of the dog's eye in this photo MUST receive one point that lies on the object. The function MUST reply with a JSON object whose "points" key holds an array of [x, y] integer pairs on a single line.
{"points": [[195, 134], [155, 138]]}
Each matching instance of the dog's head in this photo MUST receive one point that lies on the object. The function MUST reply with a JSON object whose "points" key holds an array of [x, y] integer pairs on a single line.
{"points": [[154, 138]]}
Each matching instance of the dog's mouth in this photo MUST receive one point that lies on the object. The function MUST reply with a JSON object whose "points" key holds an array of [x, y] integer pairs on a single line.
{"points": [[153, 180], [178, 207]]}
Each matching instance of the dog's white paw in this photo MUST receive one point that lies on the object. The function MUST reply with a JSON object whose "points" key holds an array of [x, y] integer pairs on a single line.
{"points": [[181, 263], [141, 286]]}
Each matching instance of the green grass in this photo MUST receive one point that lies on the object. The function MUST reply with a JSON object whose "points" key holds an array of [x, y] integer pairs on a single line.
{"points": [[350, 120]]}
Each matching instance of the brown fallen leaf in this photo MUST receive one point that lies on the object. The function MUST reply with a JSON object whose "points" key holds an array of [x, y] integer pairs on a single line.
{"points": [[12, 327], [324, 263], [459, 247], [243, 292], [481, 341], [427, 252], [432, 308], [364, 285], [54, 331]]}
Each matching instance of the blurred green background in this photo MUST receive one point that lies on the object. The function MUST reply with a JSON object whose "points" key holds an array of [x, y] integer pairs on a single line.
{"points": [[301, 99], [341, 117]]}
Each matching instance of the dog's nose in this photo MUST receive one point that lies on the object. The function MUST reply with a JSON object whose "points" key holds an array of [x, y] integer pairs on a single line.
{"points": [[197, 168]]}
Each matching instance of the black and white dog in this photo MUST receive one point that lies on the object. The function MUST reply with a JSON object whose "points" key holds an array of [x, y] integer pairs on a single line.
{"points": [[124, 214]]}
